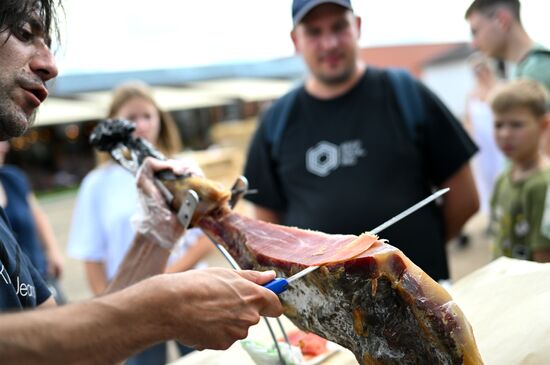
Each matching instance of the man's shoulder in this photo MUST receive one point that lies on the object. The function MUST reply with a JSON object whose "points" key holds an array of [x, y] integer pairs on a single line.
{"points": [[376, 72], [539, 50], [274, 118], [539, 58], [282, 101], [536, 65]]}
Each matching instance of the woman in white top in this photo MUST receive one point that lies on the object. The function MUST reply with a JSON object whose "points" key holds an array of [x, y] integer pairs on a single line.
{"points": [[101, 231], [489, 161]]}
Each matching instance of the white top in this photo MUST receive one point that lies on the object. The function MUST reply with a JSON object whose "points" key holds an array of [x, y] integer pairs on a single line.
{"points": [[101, 228], [489, 162]]}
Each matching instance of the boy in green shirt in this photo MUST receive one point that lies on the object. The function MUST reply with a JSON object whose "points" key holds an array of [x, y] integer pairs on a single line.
{"points": [[520, 206]]}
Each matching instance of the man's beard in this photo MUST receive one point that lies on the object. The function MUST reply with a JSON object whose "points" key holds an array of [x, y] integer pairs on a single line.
{"points": [[337, 79], [13, 121]]}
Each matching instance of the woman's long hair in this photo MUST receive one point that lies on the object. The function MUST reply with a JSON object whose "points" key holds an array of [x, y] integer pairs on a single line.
{"points": [[168, 141]]}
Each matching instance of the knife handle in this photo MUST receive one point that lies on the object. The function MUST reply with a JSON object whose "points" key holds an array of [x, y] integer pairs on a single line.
{"points": [[277, 285]]}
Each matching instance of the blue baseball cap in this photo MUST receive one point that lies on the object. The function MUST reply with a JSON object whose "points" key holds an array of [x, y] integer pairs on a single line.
{"points": [[300, 8]]}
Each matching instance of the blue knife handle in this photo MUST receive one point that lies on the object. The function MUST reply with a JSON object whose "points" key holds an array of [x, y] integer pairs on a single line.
{"points": [[277, 285]]}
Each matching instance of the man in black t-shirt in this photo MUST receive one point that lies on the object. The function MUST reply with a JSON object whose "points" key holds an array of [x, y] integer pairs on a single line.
{"points": [[26, 63], [21, 285], [345, 161]]}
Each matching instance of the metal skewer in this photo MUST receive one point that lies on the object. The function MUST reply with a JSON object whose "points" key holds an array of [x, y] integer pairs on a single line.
{"points": [[410, 210]]}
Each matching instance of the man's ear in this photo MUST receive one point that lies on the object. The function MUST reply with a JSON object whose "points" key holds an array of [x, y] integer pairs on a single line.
{"points": [[504, 18], [545, 121], [294, 40], [358, 25]]}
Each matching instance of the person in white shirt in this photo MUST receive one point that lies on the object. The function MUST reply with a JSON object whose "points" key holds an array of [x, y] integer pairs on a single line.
{"points": [[102, 231], [478, 121]]}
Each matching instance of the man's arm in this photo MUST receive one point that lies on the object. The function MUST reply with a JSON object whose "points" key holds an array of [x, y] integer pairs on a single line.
{"points": [[209, 308], [461, 202]]}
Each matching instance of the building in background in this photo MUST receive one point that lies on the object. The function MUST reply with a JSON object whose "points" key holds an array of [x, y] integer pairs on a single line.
{"points": [[450, 76], [442, 67], [55, 153]]}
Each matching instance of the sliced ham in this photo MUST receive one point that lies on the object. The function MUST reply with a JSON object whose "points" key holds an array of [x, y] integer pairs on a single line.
{"points": [[293, 246]]}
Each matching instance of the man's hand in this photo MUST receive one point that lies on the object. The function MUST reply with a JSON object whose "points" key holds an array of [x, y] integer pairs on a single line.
{"points": [[156, 218], [213, 308]]}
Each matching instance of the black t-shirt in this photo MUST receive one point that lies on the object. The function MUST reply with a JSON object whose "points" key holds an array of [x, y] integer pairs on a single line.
{"points": [[21, 286], [20, 216], [348, 164]]}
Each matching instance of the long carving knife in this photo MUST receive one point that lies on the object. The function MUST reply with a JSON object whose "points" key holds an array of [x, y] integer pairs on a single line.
{"points": [[279, 285]]}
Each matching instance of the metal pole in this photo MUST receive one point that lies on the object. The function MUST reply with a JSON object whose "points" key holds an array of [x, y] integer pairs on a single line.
{"points": [[236, 266]]}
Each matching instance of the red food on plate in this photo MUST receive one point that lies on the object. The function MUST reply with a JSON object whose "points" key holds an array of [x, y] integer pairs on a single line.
{"points": [[309, 343]]}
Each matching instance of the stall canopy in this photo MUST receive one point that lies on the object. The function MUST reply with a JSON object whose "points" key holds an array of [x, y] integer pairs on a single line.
{"points": [[93, 105], [168, 98], [61, 111], [248, 90]]}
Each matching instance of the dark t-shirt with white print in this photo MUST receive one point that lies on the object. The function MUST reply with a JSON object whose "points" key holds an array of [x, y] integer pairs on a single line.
{"points": [[21, 286], [348, 164]]}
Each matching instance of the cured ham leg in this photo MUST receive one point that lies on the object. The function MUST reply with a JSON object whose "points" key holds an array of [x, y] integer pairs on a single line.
{"points": [[376, 303], [367, 296]]}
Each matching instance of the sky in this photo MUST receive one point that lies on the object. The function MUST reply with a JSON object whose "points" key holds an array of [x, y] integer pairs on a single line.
{"points": [[120, 35]]}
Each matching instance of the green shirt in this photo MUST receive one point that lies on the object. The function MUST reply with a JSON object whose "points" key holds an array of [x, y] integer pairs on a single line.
{"points": [[520, 215], [535, 66]]}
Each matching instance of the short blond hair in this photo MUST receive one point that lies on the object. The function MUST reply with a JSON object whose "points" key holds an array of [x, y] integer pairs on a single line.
{"points": [[523, 93]]}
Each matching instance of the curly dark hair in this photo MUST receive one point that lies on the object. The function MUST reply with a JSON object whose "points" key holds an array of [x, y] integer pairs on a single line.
{"points": [[15, 13]]}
